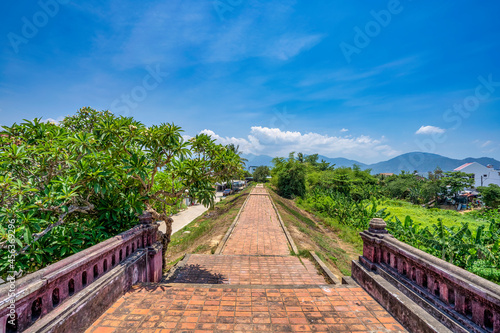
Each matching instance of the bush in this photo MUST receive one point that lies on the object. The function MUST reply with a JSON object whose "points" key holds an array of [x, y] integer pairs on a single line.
{"points": [[260, 174], [291, 180], [490, 195]]}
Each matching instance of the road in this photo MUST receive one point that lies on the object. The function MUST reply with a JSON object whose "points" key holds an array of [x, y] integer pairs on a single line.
{"points": [[186, 216]]}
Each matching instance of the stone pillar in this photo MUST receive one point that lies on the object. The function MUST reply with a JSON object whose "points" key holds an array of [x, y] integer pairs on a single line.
{"points": [[155, 262], [460, 303], [377, 226], [371, 248], [477, 313], [146, 218], [153, 248]]}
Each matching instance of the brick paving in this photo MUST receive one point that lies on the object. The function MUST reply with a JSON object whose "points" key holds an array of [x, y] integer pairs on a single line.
{"points": [[181, 308], [244, 270], [254, 286], [258, 230], [259, 190]]}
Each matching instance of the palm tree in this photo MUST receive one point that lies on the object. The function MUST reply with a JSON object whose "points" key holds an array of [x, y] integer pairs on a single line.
{"points": [[236, 150]]}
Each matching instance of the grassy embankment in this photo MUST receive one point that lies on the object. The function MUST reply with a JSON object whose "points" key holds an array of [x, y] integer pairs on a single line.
{"points": [[427, 217], [311, 234], [207, 230]]}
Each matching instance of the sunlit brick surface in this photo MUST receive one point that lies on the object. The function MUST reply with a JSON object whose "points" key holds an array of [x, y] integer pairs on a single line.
{"points": [[177, 308], [259, 190], [245, 270], [258, 230]]}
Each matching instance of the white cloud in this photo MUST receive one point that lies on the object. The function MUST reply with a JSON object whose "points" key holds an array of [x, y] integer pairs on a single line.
{"points": [[344, 130], [430, 130], [52, 120], [275, 142], [487, 143], [249, 145], [289, 46]]}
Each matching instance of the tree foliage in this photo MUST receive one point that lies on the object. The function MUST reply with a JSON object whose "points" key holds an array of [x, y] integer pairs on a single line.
{"points": [[490, 195], [289, 176], [67, 186], [457, 181], [260, 174]]}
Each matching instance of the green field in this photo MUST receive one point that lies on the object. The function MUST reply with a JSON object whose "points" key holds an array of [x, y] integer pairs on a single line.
{"points": [[427, 217]]}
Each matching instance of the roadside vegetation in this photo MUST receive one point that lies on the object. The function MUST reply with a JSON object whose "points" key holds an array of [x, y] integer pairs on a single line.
{"points": [[260, 174], [65, 187], [346, 199], [311, 233]]}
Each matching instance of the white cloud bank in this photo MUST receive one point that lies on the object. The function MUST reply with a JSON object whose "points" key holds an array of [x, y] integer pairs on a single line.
{"points": [[430, 130], [275, 142]]}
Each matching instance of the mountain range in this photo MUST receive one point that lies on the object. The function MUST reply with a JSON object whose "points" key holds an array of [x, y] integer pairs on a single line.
{"points": [[422, 162]]}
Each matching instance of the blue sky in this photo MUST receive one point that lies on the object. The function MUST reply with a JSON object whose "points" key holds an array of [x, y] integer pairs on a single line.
{"points": [[365, 80]]}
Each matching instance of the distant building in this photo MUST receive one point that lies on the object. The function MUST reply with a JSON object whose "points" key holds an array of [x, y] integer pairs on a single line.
{"points": [[483, 175], [251, 169], [386, 174]]}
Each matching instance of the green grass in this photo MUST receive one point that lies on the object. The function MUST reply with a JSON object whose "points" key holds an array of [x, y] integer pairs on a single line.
{"points": [[425, 216], [329, 248], [301, 217], [344, 232], [173, 263]]}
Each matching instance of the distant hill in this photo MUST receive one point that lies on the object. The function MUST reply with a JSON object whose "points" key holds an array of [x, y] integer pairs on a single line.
{"points": [[341, 162], [422, 162], [257, 160]]}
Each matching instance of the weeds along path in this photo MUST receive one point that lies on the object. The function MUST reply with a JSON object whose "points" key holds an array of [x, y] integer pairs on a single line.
{"points": [[310, 233]]}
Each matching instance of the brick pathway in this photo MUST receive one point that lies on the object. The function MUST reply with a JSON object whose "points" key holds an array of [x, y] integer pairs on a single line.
{"points": [[254, 286], [258, 230], [187, 308], [244, 270]]}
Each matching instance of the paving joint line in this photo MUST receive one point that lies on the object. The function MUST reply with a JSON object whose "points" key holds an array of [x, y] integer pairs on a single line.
{"points": [[244, 286]]}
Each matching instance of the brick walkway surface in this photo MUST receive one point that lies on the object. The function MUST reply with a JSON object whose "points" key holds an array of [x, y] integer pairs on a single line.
{"points": [[181, 308], [246, 270], [258, 230], [254, 286]]}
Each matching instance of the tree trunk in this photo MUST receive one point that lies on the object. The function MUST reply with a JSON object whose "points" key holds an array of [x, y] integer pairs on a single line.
{"points": [[166, 239]]}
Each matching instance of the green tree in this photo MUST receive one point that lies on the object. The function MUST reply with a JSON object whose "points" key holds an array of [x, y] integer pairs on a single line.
{"points": [[312, 159], [290, 177], [456, 181], [490, 195], [260, 174], [72, 185]]}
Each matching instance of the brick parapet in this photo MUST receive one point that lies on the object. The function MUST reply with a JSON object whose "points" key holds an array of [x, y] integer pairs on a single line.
{"points": [[470, 300], [47, 289]]}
